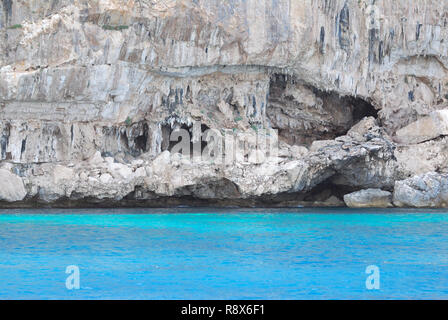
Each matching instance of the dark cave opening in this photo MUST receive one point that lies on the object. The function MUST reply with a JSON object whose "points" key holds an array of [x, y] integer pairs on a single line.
{"points": [[130, 139], [362, 109], [303, 113], [141, 141], [326, 189], [169, 144], [319, 195]]}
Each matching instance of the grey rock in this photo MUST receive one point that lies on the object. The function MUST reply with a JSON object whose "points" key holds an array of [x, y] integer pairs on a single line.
{"points": [[429, 190], [11, 187], [424, 129], [369, 198]]}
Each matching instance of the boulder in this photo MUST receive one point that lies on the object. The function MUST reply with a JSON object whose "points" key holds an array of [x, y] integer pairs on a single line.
{"points": [[160, 164], [96, 159], [140, 172], [369, 198], [11, 187], [106, 178], [299, 151], [120, 171], [427, 128], [425, 191], [61, 173], [360, 129], [257, 157], [319, 145]]}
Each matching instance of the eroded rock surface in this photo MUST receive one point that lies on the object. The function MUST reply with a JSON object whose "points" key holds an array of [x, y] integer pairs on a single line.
{"points": [[92, 91], [369, 198], [11, 187], [427, 191], [427, 128]]}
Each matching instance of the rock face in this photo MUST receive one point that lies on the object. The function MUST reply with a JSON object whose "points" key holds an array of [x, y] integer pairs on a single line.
{"points": [[369, 198], [11, 187], [426, 191], [427, 128], [95, 94]]}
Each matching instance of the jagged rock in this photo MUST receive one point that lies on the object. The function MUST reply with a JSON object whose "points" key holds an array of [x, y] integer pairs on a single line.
{"points": [[120, 171], [418, 159], [11, 187], [257, 157], [161, 162], [140, 172], [106, 178], [359, 130], [96, 159], [319, 145], [299, 151], [369, 198], [426, 191], [427, 128], [61, 173]]}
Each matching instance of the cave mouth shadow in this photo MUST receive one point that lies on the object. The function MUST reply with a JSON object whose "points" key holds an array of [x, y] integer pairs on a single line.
{"points": [[333, 118], [327, 189], [363, 109]]}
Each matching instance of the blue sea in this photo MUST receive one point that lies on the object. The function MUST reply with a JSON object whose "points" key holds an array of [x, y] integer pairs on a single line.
{"points": [[223, 254]]}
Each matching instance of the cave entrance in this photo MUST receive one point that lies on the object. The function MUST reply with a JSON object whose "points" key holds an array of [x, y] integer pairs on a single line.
{"points": [[326, 189], [130, 139], [362, 108], [302, 113], [141, 141]]}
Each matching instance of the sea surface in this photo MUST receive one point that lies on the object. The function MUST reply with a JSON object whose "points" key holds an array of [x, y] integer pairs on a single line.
{"points": [[223, 254]]}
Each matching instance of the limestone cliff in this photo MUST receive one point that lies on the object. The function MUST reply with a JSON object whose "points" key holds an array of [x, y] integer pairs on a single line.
{"points": [[92, 91]]}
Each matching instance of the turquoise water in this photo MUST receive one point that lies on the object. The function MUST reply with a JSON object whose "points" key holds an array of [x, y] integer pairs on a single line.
{"points": [[225, 254]]}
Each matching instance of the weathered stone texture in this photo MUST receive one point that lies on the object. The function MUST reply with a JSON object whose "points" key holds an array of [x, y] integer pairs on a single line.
{"points": [[427, 191], [369, 198], [357, 89]]}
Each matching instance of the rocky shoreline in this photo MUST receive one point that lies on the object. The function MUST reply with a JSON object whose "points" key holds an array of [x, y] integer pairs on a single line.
{"points": [[94, 96], [295, 177]]}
